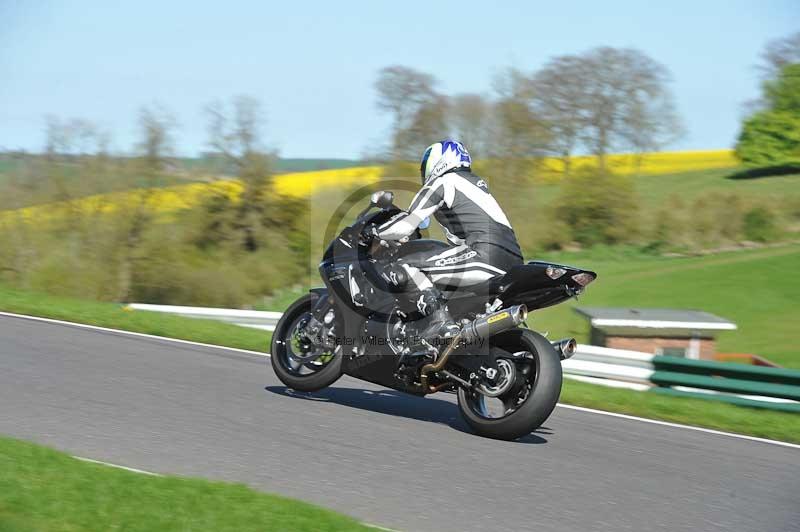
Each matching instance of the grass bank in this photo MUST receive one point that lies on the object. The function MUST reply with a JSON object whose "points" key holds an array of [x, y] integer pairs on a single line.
{"points": [[45, 490], [655, 190], [116, 316], [698, 412], [757, 289]]}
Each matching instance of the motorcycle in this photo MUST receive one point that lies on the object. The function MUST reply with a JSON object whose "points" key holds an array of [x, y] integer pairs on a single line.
{"points": [[507, 377]]}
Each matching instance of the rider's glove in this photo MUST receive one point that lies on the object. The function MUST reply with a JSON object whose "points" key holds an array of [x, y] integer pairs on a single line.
{"points": [[371, 230]]}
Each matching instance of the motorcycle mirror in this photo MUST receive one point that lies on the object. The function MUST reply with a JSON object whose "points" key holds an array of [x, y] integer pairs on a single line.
{"points": [[382, 199]]}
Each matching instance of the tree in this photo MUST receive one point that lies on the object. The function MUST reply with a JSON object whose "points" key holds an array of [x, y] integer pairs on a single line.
{"points": [[73, 147], [771, 137], [469, 115], [604, 99], [416, 108], [783, 93], [235, 132], [72, 138], [557, 100], [155, 148], [779, 53], [428, 125], [518, 133], [598, 208], [156, 125], [625, 102]]}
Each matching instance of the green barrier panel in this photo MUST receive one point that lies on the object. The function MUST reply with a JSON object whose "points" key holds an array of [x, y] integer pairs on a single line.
{"points": [[727, 369], [732, 399], [671, 378]]}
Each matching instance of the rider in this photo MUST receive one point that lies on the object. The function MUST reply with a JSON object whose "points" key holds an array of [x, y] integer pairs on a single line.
{"points": [[483, 244]]}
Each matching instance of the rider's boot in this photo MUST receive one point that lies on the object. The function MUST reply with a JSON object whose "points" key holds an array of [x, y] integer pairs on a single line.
{"points": [[440, 323]]}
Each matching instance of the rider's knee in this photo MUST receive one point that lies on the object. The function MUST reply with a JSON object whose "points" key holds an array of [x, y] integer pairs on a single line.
{"points": [[396, 276]]}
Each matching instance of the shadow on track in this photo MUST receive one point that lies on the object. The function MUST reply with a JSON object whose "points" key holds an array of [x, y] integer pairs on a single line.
{"points": [[397, 404]]}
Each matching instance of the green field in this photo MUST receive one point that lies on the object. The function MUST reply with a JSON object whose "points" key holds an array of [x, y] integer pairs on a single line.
{"points": [[116, 316], [757, 289], [45, 490], [781, 426], [653, 190]]}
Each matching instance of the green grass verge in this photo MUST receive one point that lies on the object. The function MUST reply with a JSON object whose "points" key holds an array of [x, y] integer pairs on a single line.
{"points": [[45, 490], [756, 289], [117, 317], [698, 412], [654, 190]]}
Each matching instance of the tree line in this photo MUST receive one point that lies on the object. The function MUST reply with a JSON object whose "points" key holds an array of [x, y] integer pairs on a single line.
{"points": [[600, 101], [227, 251], [770, 135]]}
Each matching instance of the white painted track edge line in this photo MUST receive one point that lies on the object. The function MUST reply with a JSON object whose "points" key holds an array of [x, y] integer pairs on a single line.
{"points": [[258, 353], [150, 473], [131, 333], [378, 527], [679, 425], [117, 466]]}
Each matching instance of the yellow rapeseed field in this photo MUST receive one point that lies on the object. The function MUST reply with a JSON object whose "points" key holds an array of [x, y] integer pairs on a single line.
{"points": [[649, 163], [163, 200], [179, 197], [305, 183], [300, 184]]}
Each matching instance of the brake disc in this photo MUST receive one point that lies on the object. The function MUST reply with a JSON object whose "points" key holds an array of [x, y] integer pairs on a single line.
{"points": [[506, 373]]}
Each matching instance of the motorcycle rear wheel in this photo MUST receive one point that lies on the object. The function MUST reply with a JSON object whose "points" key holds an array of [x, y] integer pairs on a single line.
{"points": [[535, 400], [320, 372]]}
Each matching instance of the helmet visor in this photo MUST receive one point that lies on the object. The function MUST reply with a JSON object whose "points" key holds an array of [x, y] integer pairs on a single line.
{"points": [[424, 163]]}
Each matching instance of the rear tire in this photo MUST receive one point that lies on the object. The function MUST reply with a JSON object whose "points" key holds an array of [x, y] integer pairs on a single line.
{"points": [[280, 352], [542, 396]]}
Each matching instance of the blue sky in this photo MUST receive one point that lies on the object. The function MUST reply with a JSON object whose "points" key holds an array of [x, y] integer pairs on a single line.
{"points": [[313, 64]]}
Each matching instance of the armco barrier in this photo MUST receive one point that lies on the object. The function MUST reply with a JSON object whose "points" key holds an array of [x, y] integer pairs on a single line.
{"points": [[257, 319], [727, 370], [732, 399], [749, 385], [611, 364]]}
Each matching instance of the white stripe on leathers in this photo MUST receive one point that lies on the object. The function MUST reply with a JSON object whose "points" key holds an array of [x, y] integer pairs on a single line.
{"points": [[483, 200], [452, 251]]}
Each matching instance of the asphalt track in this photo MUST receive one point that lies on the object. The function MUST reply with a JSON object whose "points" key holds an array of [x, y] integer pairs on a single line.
{"points": [[397, 461]]}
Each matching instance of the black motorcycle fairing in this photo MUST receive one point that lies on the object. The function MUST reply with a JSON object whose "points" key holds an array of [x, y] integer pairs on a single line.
{"points": [[374, 360], [423, 245], [348, 269], [528, 284]]}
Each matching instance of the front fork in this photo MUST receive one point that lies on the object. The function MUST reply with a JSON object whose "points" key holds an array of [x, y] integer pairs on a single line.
{"points": [[321, 322]]}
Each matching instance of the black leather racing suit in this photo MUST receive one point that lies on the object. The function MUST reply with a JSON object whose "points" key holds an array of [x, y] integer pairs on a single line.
{"points": [[483, 244]]}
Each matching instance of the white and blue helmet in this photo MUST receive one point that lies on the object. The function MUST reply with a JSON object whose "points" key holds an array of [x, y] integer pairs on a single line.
{"points": [[443, 157]]}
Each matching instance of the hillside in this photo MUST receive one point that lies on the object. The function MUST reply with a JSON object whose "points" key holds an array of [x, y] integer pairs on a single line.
{"points": [[753, 287], [756, 289], [654, 190]]}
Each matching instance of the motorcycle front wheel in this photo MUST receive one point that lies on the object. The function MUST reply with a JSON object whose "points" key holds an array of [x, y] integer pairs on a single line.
{"points": [[526, 404], [296, 361]]}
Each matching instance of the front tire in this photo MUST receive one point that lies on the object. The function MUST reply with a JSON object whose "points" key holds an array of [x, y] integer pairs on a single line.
{"points": [[543, 389], [285, 363]]}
